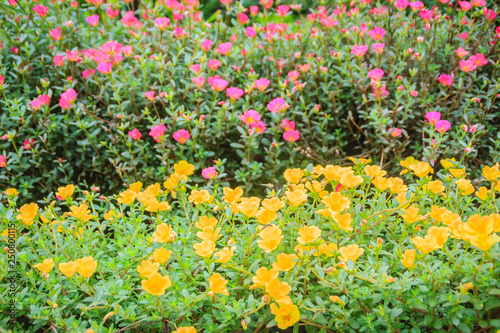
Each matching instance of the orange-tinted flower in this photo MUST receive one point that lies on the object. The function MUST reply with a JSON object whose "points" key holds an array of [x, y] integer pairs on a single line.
{"points": [[421, 169], [156, 284], [28, 213], [457, 173], [296, 198], [86, 266], [68, 268], [336, 202], [265, 216], [81, 212], [374, 171], [206, 221], [285, 262], [249, 207], [327, 249], [270, 238], [293, 175], [112, 215], [65, 192], [184, 168], [482, 193], [492, 173], [164, 233], [127, 197], [344, 221], [224, 255], [161, 255], [209, 233], [441, 234], [204, 248], [381, 183], [199, 197], [135, 187], [411, 215], [287, 320], [436, 186], [349, 180], [45, 266], [427, 244], [263, 276], [308, 234], [231, 195], [147, 268], [352, 252], [218, 284], [278, 289], [396, 185], [189, 329], [465, 186], [273, 204]]}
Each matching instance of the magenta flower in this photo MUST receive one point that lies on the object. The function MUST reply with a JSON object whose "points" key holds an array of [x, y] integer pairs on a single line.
{"points": [[465, 5], [58, 60], [67, 97], [162, 22], [250, 32], [267, 4], [93, 20], [198, 81], [206, 45], [416, 5], [401, 4], [224, 48], [112, 13], [150, 95], [249, 117], [242, 18], [195, 68], [254, 10], [479, 59], [258, 127], [287, 125], [359, 50], [41, 10], [395, 132], [380, 92], [426, 15], [262, 83], [461, 52], [73, 56], [213, 64], [44, 99], [36, 104], [157, 132], [209, 173], [277, 105], [378, 47], [135, 134], [28, 143], [377, 33], [376, 74], [433, 116], [490, 15], [86, 73], [182, 136], [282, 10], [219, 84], [291, 135], [414, 93], [445, 80], [467, 65], [129, 19], [442, 126], [105, 67], [56, 33], [3, 161], [234, 93]]}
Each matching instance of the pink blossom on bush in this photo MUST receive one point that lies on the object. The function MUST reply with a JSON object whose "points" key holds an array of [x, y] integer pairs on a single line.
{"points": [[258, 127], [41, 10], [377, 33], [465, 5], [209, 173], [181, 136], [3, 161], [479, 59], [287, 125], [416, 5], [395, 132], [378, 47], [44, 99], [105, 67], [224, 48], [198, 81], [267, 4], [135, 134], [461, 52], [213, 64], [36, 104], [442, 126], [206, 45], [58, 60], [490, 15], [467, 65], [93, 20], [162, 22], [401, 4], [196, 68], [445, 80], [291, 135], [234, 93], [359, 50], [277, 105], [218, 84], [282, 10], [28, 143], [112, 13], [249, 117], [254, 10], [56, 33], [433, 116], [242, 18], [426, 15], [129, 19], [376, 74], [262, 83], [250, 32], [150, 95], [157, 132]]}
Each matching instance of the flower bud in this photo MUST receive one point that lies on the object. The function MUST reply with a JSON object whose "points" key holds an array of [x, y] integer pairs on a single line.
{"points": [[244, 324]]}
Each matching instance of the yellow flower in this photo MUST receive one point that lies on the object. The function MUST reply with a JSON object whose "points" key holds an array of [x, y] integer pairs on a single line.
{"points": [[492, 173], [135, 187], [81, 212], [278, 289], [336, 202], [449, 217], [224, 255], [293, 175], [172, 182], [427, 244], [457, 173], [65, 192], [287, 320], [482, 193], [127, 197], [199, 197], [154, 189], [218, 284], [396, 185], [231, 195], [263, 276], [448, 163], [406, 163], [161, 255], [409, 258], [285, 262], [411, 215], [45, 266], [184, 168], [436, 186], [164, 233], [440, 233], [421, 169], [111, 214], [437, 212], [352, 252], [361, 161], [465, 186], [204, 248], [86, 266], [349, 180], [308, 234], [343, 221], [296, 198], [249, 207], [381, 183], [328, 249], [315, 187], [496, 222], [11, 192], [270, 238], [317, 171], [209, 233], [334, 172], [28, 213], [273, 204], [147, 268], [156, 284], [265, 216], [68, 268], [206, 221], [189, 329], [374, 171]]}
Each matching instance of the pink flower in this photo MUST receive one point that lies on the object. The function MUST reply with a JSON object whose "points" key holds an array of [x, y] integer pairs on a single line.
{"points": [[86, 73], [213, 64], [328, 22], [93, 20], [224, 48], [304, 68], [490, 15], [234, 93], [380, 92], [178, 32], [291, 135], [377, 33], [135, 134], [293, 75], [359, 50], [206, 45], [209, 173], [157, 132], [465, 5], [73, 56], [282, 10], [28, 143], [1, 80], [378, 47], [129, 19], [416, 5], [249, 117], [262, 83], [445, 80], [479, 3], [254, 10], [463, 35], [442, 126], [198, 81], [56, 33], [226, 2], [258, 127], [414, 93], [243, 18], [426, 15], [41, 10], [3, 161], [162, 22], [479, 59], [112, 13], [376, 74], [433, 116], [467, 65], [395, 132], [67, 97], [219, 84], [59, 60], [401, 4], [44, 99], [461, 52], [267, 4], [36, 104], [105, 67], [196, 68], [150, 95], [250, 32], [182, 136], [287, 125], [277, 105]]}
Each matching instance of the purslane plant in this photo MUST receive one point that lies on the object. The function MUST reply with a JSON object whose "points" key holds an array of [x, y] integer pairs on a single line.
{"points": [[332, 249], [265, 88]]}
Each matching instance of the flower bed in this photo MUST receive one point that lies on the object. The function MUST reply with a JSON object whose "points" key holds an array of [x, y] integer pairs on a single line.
{"points": [[334, 249]]}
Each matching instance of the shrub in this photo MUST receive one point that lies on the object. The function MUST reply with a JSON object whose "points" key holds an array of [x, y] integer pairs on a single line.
{"points": [[84, 83], [334, 249]]}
